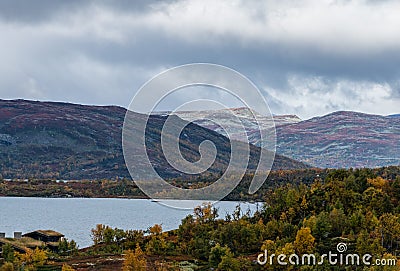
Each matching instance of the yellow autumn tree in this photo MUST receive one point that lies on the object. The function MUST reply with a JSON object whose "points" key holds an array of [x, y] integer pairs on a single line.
{"points": [[157, 243], [378, 182], [205, 213], [135, 260], [268, 245], [67, 267], [304, 242], [33, 258], [156, 229], [7, 267]]}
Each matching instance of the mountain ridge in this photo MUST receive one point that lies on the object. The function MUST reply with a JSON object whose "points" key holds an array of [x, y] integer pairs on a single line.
{"points": [[340, 139], [343, 139]]}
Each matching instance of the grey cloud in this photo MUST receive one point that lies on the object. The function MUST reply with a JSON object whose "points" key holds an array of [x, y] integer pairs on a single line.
{"points": [[268, 62], [34, 11], [50, 64], [25, 11]]}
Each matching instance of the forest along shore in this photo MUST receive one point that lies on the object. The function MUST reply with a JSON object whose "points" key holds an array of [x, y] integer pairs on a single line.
{"points": [[125, 188]]}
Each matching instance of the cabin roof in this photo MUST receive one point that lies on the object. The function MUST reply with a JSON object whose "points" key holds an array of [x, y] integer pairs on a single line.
{"points": [[49, 233]]}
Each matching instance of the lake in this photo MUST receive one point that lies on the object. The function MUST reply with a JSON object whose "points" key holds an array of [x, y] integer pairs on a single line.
{"points": [[75, 217]]}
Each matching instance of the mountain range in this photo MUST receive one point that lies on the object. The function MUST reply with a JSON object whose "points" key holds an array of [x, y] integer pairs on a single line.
{"points": [[341, 139], [71, 141]]}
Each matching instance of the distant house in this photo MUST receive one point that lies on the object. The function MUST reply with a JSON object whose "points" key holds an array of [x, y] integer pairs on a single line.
{"points": [[47, 236], [32, 240]]}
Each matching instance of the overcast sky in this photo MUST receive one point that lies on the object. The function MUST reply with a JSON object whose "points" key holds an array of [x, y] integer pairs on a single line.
{"points": [[308, 57]]}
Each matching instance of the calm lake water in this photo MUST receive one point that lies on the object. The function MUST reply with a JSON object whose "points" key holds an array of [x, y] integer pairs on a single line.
{"points": [[75, 217]]}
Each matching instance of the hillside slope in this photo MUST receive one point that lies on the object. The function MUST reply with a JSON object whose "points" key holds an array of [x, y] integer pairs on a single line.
{"points": [[70, 141]]}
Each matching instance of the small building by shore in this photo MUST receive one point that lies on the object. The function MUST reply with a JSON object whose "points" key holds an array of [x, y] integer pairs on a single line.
{"points": [[40, 238]]}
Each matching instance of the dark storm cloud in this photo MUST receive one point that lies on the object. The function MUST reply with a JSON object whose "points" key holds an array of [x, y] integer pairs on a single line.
{"points": [[267, 61], [37, 11]]}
